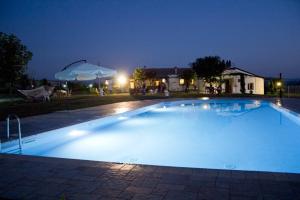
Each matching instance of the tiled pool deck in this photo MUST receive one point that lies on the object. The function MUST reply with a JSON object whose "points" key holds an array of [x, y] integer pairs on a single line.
{"points": [[30, 177]]}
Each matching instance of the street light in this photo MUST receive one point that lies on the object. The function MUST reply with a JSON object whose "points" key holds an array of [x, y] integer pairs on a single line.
{"points": [[122, 79], [279, 84]]}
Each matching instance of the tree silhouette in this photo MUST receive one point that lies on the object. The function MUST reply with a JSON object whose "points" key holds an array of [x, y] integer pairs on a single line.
{"points": [[14, 57], [242, 83], [210, 68], [188, 75], [150, 75], [139, 76]]}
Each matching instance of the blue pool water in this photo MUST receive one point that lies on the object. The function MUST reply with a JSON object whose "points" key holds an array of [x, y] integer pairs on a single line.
{"points": [[220, 134]]}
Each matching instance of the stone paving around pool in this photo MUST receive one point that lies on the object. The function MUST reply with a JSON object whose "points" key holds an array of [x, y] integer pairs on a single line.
{"points": [[30, 177], [53, 178]]}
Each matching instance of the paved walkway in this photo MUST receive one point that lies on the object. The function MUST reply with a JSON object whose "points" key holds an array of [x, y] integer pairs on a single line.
{"points": [[292, 104], [29, 177], [40, 178]]}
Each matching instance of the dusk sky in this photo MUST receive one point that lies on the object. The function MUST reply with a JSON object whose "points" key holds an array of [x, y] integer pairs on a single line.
{"points": [[262, 37]]}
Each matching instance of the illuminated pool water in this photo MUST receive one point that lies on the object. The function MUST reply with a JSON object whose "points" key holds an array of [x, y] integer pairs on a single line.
{"points": [[221, 134]]}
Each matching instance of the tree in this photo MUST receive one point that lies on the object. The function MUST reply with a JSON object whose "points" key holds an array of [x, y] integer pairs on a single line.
{"points": [[25, 82], [188, 75], [139, 76], [14, 58], [44, 81], [150, 75], [242, 83], [210, 68]]}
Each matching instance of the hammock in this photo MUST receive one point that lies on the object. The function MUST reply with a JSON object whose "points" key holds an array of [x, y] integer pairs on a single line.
{"points": [[43, 92]]}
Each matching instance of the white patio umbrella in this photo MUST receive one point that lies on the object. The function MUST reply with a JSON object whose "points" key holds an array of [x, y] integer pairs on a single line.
{"points": [[83, 72]]}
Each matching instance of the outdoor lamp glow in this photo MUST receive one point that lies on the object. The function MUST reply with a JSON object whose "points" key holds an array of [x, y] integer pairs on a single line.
{"points": [[90, 85], [122, 79], [278, 84], [64, 85], [106, 82]]}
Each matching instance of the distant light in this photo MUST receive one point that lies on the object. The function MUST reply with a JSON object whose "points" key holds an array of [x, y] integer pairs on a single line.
{"points": [[163, 80], [64, 85], [131, 84], [90, 85], [205, 98], [106, 82], [76, 133], [181, 81], [122, 79], [279, 84]]}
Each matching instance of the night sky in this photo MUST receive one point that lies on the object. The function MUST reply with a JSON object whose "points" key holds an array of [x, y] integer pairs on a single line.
{"points": [[262, 37]]}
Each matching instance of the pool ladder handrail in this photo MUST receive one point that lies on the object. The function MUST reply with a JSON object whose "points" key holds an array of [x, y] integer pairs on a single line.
{"points": [[19, 128]]}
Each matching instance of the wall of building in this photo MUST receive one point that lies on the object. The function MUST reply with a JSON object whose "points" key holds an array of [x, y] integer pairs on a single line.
{"points": [[258, 84], [173, 84]]}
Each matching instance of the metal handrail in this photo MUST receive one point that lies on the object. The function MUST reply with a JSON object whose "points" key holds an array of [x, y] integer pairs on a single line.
{"points": [[19, 128]]}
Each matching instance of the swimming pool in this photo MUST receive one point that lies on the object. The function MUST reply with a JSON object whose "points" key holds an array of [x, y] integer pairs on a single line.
{"points": [[218, 134]]}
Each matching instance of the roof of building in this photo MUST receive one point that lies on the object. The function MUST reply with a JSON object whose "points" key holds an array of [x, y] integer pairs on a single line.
{"points": [[237, 70], [165, 72]]}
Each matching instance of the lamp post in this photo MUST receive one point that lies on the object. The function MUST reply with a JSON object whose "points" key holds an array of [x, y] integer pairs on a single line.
{"points": [[279, 84], [122, 79]]}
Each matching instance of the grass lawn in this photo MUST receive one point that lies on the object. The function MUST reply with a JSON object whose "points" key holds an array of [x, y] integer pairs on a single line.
{"points": [[23, 108]]}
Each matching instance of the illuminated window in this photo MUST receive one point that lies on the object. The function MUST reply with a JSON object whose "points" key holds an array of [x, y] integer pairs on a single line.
{"points": [[192, 81], [157, 83], [181, 81], [131, 85], [163, 80]]}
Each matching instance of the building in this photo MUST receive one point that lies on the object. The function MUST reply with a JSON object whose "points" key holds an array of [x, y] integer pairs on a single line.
{"points": [[233, 79], [170, 77]]}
